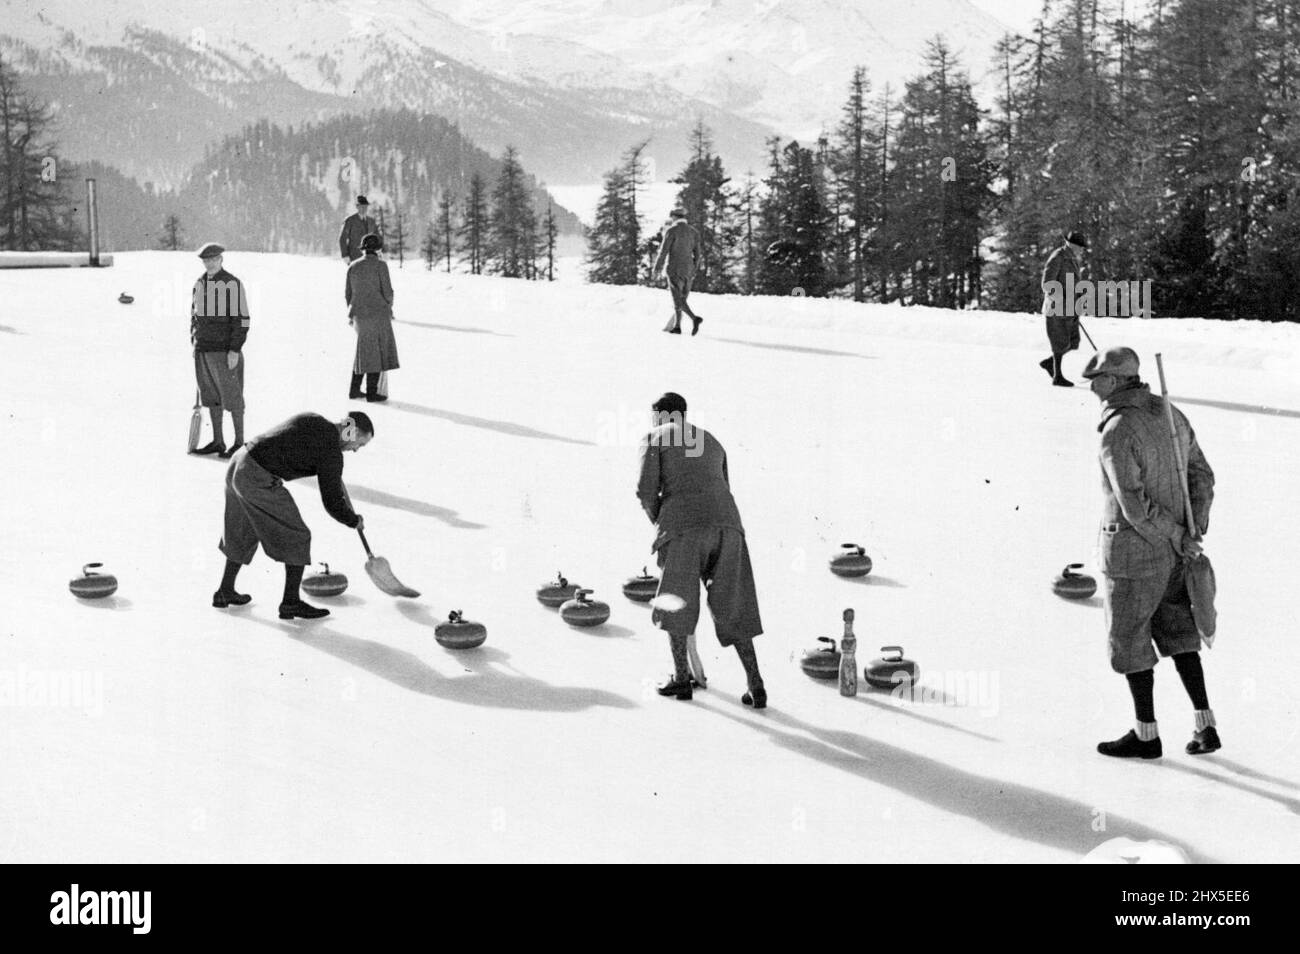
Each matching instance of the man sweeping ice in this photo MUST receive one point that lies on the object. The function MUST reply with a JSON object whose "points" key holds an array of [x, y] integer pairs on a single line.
{"points": [[260, 511]]}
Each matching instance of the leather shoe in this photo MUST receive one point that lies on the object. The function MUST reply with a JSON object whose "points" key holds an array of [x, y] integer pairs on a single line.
{"points": [[300, 610], [213, 447]]}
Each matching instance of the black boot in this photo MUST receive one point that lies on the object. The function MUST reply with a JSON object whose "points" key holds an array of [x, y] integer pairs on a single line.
{"points": [[372, 388], [354, 392], [698, 321], [1131, 747], [1058, 378], [300, 610], [1204, 741], [1046, 365], [676, 688], [756, 697]]}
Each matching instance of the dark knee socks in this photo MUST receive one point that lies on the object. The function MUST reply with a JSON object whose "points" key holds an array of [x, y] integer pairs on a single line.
{"points": [[372, 382], [292, 578], [228, 578], [1142, 686], [681, 667], [749, 659], [1193, 676]]}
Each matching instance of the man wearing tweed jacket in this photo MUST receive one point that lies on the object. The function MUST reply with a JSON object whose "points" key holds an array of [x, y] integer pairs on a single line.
{"points": [[1144, 541]]}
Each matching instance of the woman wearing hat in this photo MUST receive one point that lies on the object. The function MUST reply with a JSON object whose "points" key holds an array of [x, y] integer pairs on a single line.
{"points": [[369, 294]]}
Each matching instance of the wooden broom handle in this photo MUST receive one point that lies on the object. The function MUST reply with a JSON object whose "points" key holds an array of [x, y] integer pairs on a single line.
{"points": [[1178, 453]]}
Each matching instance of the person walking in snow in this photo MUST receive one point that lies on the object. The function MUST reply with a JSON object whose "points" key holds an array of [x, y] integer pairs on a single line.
{"points": [[369, 294], [260, 511], [1144, 541], [679, 258], [356, 227], [685, 490], [218, 329], [1058, 304]]}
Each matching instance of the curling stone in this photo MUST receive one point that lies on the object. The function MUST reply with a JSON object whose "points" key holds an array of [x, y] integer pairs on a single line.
{"points": [[822, 662], [125, 299], [582, 611], [557, 592], [459, 633], [851, 561], [641, 589], [325, 583], [892, 669], [1074, 586], [93, 586]]}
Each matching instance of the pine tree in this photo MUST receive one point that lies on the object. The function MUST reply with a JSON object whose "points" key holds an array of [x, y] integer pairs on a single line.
{"points": [[709, 207], [550, 230], [474, 225], [171, 237], [854, 164], [794, 225], [615, 252], [430, 247], [746, 216], [396, 243], [445, 227], [513, 222]]}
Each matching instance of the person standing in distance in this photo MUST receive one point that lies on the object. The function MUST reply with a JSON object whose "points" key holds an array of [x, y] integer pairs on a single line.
{"points": [[218, 329], [356, 227], [685, 490], [679, 258], [1058, 304], [260, 511], [1144, 540], [369, 294]]}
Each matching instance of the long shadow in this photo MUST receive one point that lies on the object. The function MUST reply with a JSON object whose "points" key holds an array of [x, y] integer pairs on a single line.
{"points": [[1248, 772], [11, 331], [487, 686], [866, 699], [1018, 811], [502, 427], [798, 349], [1290, 804], [607, 630], [467, 331], [1234, 406], [420, 508]]}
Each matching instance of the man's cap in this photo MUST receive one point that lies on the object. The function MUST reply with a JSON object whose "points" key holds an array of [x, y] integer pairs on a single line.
{"points": [[211, 250], [1077, 238], [370, 242], [670, 402], [362, 200], [1121, 362], [677, 213]]}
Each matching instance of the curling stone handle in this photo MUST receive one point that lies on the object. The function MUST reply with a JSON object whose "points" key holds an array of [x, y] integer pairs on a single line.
{"points": [[893, 649], [853, 548], [88, 567], [1070, 568], [827, 639], [581, 595], [327, 567]]}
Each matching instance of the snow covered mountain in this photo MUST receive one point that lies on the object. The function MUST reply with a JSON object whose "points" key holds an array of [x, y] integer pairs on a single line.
{"points": [[785, 63], [571, 83]]}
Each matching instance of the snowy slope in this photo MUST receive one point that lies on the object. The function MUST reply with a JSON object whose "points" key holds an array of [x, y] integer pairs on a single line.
{"points": [[508, 452]]}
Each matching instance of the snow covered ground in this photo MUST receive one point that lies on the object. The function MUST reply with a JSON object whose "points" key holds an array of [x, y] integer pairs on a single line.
{"points": [[151, 727]]}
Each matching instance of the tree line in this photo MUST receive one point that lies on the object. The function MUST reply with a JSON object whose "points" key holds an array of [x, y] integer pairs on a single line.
{"points": [[1173, 141], [38, 192]]}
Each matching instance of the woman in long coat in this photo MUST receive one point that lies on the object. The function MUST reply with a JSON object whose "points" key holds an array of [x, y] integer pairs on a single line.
{"points": [[369, 294]]}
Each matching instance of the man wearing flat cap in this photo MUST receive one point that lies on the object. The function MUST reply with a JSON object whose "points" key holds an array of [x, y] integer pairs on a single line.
{"points": [[1063, 269], [356, 227], [1143, 543], [218, 328]]}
